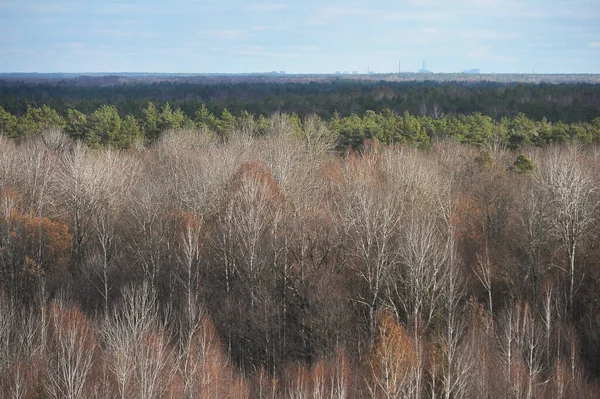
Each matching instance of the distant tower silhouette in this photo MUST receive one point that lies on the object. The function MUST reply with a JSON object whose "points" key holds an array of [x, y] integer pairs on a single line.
{"points": [[424, 70]]}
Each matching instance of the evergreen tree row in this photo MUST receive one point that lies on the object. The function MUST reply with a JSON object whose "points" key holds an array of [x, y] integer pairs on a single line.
{"points": [[105, 126]]}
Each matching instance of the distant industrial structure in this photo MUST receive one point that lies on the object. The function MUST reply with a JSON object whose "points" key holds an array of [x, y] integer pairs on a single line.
{"points": [[473, 71], [424, 70]]}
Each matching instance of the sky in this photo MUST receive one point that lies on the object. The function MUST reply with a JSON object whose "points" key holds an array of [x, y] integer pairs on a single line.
{"points": [[309, 36]]}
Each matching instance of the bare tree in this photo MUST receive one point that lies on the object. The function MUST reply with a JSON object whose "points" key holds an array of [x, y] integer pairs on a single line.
{"points": [[195, 177], [150, 241], [508, 337], [484, 377], [281, 124], [9, 167], [369, 217], [254, 208], [533, 222], [38, 159], [340, 378], [114, 176], [56, 140], [124, 332], [70, 353], [422, 258], [425, 244], [533, 355], [418, 287], [436, 111], [455, 363], [572, 205], [120, 346], [548, 319], [37, 167], [201, 363], [317, 135], [521, 342], [8, 266], [488, 200], [484, 271], [7, 326], [78, 182], [154, 368], [19, 388], [188, 259]]}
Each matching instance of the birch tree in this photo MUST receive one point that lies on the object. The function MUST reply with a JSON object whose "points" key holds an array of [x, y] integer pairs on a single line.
{"points": [[370, 221], [70, 353], [573, 206]]}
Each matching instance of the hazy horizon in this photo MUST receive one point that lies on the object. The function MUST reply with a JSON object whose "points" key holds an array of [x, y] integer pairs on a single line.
{"points": [[183, 36]]}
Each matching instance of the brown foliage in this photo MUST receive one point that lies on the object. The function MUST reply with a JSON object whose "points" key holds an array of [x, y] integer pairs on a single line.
{"points": [[30, 246], [393, 362]]}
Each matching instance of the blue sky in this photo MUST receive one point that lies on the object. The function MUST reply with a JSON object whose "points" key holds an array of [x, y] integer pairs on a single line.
{"points": [[232, 36]]}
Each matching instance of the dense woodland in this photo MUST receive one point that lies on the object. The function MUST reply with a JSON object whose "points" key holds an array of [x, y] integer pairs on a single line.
{"points": [[108, 113], [104, 127], [376, 256], [567, 102], [270, 266]]}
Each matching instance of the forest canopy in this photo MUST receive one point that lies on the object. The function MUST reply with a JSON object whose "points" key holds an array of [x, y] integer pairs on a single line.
{"points": [[377, 254], [135, 113]]}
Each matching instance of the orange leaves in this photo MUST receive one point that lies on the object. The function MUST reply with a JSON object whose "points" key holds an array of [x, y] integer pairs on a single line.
{"points": [[392, 343], [253, 182], [50, 239], [393, 361], [38, 246]]}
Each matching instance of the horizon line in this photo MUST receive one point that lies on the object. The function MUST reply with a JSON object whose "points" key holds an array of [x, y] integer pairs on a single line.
{"points": [[285, 73]]}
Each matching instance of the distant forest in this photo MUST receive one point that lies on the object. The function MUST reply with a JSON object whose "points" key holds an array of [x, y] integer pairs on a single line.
{"points": [[103, 112], [570, 102]]}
